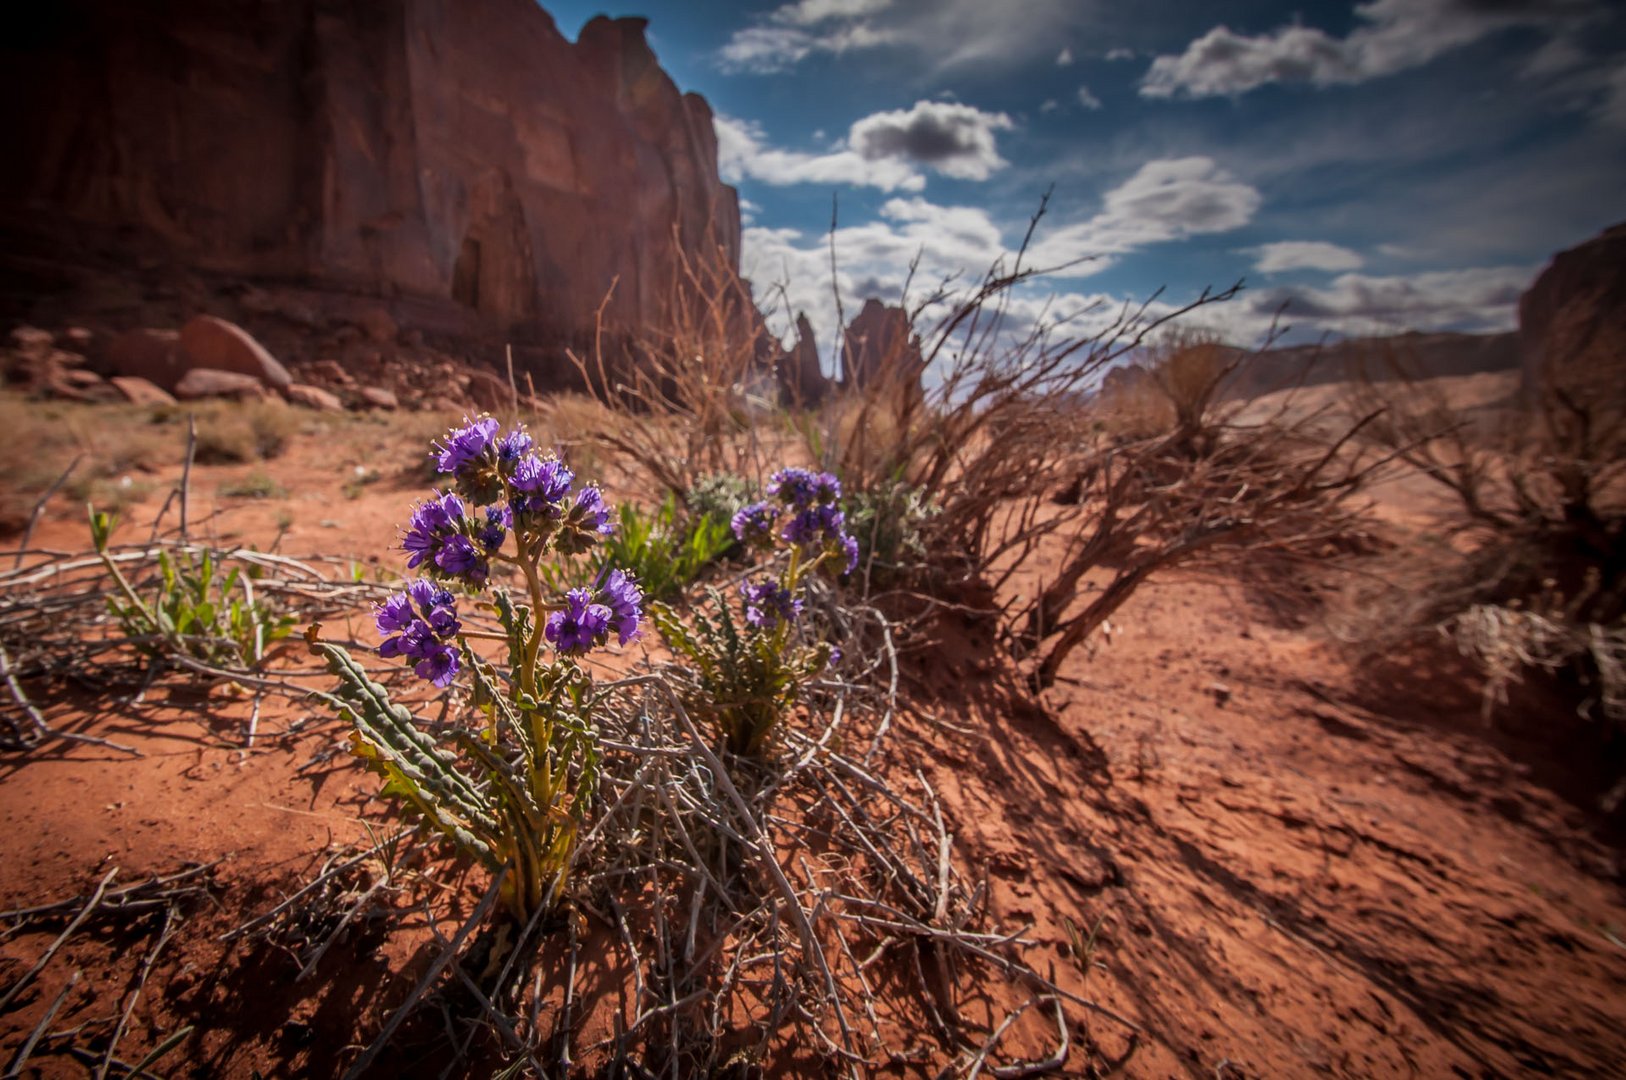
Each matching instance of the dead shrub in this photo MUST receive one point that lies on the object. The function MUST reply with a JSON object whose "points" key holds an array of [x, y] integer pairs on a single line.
{"points": [[1530, 572]]}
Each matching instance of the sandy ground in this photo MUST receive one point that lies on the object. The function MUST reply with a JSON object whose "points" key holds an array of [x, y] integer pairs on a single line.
{"points": [[1292, 867]]}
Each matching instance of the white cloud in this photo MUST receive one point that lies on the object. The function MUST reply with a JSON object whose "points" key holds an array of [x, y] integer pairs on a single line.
{"points": [[742, 153], [1087, 99], [1393, 35], [885, 150], [1064, 58], [1049, 105], [1168, 199], [1480, 299], [1120, 54], [1304, 255], [955, 140], [947, 33]]}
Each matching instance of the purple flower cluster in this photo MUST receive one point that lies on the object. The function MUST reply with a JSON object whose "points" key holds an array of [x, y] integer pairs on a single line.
{"points": [[588, 617], [453, 544], [809, 506], [420, 622], [768, 603], [446, 538]]}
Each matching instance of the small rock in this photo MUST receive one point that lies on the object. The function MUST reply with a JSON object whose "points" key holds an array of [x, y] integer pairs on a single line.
{"points": [[330, 372], [378, 324], [376, 397], [138, 391], [1221, 692], [208, 342], [76, 339], [212, 382], [31, 341], [313, 397], [79, 377]]}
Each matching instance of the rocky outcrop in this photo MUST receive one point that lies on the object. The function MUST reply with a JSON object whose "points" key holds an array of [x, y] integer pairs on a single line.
{"points": [[1572, 319], [880, 349], [457, 166], [208, 342], [1410, 355], [802, 381]]}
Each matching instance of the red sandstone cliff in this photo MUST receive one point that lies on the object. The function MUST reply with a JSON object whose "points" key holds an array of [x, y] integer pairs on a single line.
{"points": [[459, 157]]}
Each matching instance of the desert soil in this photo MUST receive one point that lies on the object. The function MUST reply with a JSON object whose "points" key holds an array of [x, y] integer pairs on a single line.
{"points": [[1291, 866]]}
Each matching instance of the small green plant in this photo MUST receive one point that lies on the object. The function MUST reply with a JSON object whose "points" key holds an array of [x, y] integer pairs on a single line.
{"points": [[256, 485], [512, 788], [746, 679], [718, 495], [888, 524], [665, 553], [196, 611]]}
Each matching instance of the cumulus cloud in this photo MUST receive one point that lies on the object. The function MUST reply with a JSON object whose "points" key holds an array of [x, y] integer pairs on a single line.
{"points": [[956, 140], [1120, 54], [1304, 255], [1167, 199], [1064, 57], [885, 150], [1481, 299], [743, 153], [1087, 99], [1392, 36], [1049, 105]]}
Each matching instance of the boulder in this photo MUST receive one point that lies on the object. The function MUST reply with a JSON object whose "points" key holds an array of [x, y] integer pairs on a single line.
{"points": [[138, 391], [153, 355], [208, 342], [313, 397], [32, 342], [376, 397], [205, 382]]}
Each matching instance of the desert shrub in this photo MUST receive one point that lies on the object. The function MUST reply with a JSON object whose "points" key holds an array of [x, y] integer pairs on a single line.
{"points": [[747, 678], [512, 788], [889, 524], [197, 611], [108, 446], [1531, 575], [679, 397], [256, 485], [232, 434], [718, 496]]}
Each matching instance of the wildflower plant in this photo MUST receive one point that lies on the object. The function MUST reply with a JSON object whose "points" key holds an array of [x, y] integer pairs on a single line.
{"points": [[511, 791], [749, 671]]}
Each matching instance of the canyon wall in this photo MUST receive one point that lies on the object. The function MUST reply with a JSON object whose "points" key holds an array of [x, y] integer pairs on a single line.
{"points": [[458, 159]]}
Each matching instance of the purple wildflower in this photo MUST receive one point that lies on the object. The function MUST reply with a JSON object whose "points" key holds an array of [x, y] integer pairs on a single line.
{"points": [[513, 446], [795, 487], [431, 523], [394, 614], [591, 513], [754, 524], [428, 595], [495, 528], [850, 547], [581, 625], [768, 603], [460, 558], [816, 524], [622, 596], [467, 444], [439, 665], [546, 478]]}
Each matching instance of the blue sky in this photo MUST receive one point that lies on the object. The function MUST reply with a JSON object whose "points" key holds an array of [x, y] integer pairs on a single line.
{"points": [[1374, 166]]}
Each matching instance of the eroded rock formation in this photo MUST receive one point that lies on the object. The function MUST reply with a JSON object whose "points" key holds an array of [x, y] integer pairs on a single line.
{"points": [[880, 349], [1572, 319], [459, 159]]}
